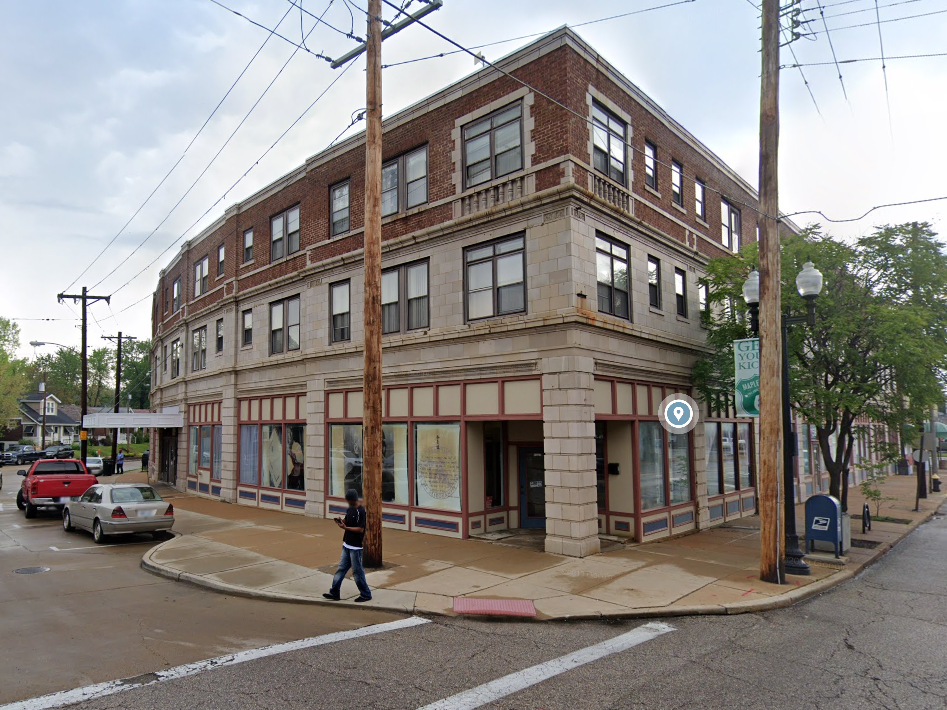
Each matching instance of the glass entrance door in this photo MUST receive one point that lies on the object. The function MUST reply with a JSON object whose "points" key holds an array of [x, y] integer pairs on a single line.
{"points": [[532, 488]]}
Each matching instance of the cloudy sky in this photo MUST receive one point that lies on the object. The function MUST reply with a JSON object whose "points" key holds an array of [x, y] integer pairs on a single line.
{"points": [[102, 97]]}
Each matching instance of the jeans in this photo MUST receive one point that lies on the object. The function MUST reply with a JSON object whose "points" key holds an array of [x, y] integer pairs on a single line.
{"points": [[351, 559], [120, 467]]}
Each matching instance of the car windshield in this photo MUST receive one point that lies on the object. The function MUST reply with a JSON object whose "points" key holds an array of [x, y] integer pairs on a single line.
{"points": [[94, 459], [58, 467], [137, 494]]}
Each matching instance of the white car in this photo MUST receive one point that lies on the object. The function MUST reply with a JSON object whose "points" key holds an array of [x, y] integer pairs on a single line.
{"points": [[94, 465], [118, 509]]}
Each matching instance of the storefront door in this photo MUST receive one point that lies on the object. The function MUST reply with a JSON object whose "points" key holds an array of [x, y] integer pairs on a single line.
{"points": [[532, 488], [169, 457]]}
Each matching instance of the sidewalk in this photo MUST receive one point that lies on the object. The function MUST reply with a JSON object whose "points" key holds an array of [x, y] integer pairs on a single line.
{"points": [[281, 557]]}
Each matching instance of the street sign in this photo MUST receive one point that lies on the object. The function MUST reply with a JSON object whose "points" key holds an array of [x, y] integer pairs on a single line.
{"points": [[746, 360]]}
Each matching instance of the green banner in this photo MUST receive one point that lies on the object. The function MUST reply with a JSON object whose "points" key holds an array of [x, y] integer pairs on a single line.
{"points": [[746, 357]]}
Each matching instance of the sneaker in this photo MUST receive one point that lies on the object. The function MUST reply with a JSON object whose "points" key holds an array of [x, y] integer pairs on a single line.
{"points": [[359, 599], [331, 597]]}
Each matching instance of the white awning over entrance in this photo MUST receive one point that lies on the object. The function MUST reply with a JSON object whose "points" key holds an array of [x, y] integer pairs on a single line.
{"points": [[133, 420]]}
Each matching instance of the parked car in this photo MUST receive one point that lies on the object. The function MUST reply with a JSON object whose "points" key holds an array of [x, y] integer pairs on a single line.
{"points": [[51, 483], [94, 464], [118, 509], [15, 453], [29, 454], [58, 452]]}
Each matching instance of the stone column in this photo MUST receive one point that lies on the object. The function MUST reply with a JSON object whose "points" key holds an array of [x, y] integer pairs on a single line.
{"points": [[699, 468], [229, 465], [569, 448], [315, 448]]}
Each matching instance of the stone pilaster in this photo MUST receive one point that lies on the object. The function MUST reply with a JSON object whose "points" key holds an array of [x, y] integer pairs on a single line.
{"points": [[569, 448], [699, 469], [230, 430], [315, 448]]}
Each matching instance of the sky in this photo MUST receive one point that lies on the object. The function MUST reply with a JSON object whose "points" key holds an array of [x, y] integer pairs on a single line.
{"points": [[103, 97]]}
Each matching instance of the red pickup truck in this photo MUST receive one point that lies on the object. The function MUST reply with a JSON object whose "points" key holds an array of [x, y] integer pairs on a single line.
{"points": [[51, 483]]}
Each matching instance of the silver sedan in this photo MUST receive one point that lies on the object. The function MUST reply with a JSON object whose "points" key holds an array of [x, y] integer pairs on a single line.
{"points": [[118, 509]]}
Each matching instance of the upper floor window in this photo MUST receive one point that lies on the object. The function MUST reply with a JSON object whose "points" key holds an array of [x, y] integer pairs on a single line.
{"points": [[339, 199], [680, 292], [700, 205], [702, 297], [167, 299], [729, 226], [175, 358], [220, 335], [248, 246], [176, 295], [496, 278], [200, 276], [164, 362], [612, 261], [220, 261], [404, 182], [493, 146], [284, 234], [248, 327], [199, 349], [284, 319], [339, 311], [677, 183], [608, 144], [650, 165], [654, 281], [404, 298], [50, 406]]}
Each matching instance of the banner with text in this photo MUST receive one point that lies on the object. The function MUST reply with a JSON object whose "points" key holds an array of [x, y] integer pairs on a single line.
{"points": [[746, 355]]}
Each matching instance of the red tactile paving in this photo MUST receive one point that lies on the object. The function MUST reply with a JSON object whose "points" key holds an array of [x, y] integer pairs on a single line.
{"points": [[494, 607]]}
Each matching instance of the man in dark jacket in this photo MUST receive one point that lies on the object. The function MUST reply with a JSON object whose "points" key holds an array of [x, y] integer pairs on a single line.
{"points": [[354, 526]]}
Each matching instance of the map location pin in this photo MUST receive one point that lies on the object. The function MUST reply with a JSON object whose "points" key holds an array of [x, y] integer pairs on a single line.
{"points": [[678, 413]]}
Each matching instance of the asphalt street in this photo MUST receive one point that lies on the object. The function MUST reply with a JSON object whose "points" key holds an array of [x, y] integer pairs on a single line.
{"points": [[876, 642]]}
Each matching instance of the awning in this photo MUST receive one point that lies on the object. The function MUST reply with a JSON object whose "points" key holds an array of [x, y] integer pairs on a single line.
{"points": [[133, 420], [939, 427]]}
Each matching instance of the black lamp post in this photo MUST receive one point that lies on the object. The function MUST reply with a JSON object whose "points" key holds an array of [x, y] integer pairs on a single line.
{"points": [[809, 285]]}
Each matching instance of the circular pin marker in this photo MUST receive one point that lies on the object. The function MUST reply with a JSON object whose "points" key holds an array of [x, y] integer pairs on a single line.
{"points": [[678, 413]]}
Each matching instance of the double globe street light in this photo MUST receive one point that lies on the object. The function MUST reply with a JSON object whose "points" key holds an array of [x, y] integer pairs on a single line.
{"points": [[809, 286]]}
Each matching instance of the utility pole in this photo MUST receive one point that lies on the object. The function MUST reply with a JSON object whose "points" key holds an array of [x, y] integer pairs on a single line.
{"points": [[84, 404], [372, 436], [118, 384], [771, 534]]}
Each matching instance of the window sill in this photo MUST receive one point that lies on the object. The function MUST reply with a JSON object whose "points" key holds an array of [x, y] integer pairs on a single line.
{"points": [[247, 263], [701, 222], [654, 192], [683, 319], [678, 207], [469, 190], [656, 311]]}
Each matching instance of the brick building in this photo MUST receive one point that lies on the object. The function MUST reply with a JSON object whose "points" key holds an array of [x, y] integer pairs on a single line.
{"points": [[540, 300]]}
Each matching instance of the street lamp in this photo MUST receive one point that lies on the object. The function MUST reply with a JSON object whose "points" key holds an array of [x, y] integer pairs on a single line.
{"points": [[809, 286]]}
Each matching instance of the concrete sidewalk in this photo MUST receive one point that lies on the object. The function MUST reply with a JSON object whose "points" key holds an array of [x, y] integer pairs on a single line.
{"points": [[262, 554]]}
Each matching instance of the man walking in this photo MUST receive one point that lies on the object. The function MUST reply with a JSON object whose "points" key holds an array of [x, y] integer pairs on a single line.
{"points": [[354, 526], [120, 462]]}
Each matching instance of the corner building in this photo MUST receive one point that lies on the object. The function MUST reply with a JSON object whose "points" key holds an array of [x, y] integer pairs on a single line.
{"points": [[540, 300]]}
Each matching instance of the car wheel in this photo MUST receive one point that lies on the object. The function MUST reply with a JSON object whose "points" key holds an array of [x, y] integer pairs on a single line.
{"points": [[30, 509], [19, 500], [97, 535], [67, 521]]}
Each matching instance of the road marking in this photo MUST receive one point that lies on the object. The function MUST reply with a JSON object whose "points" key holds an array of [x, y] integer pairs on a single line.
{"points": [[515, 682], [55, 549], [101, 690]]}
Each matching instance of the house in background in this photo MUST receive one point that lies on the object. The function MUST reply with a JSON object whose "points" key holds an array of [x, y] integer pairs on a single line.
{"points": [[62, 424]]}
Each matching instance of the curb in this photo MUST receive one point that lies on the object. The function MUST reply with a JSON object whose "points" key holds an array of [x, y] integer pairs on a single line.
{"points": [[781, 601]]}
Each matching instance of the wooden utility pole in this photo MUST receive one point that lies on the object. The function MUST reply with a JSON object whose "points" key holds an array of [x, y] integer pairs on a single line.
{"points": [[372, 392], [84, 401], [770, 502], [118, 385]]}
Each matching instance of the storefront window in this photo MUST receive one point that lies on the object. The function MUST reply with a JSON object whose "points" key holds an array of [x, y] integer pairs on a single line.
{"points": [[193, 450], [295, 457], [493, 464], [217, 454], [345, 461], [600, 464], [746, 461], [712, 444], [249, 454], [437, 465], [728, 448], [272, 456], [679, 462], [804, 445], [205, 447], [651, 452]]}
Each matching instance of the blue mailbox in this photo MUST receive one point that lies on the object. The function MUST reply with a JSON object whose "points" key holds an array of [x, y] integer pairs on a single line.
{"points": [[824, 522]]}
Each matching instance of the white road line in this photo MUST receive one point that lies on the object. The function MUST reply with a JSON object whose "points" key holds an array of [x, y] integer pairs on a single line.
{"points": [[515, 682], [100, 690], [54, 549]]}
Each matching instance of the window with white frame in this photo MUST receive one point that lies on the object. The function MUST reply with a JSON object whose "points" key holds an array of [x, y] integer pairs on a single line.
{"points": [[702, 297], [339, 202], [220, 260], [608, 143], [50, 406], [200, 276], [175, 358], [284, 325], [248, 246], [651, 165], [199, 349], [680, 292], [677, 183], [654, 281], [247, 327], [700, 204], [176, 295], [284, 234], [404, 298], [612, 266], [220, 335], [493, 146], [496, 278], [404, 182], [340, 311], [729, 226]]}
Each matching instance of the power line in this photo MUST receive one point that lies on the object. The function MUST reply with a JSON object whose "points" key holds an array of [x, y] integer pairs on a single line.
{"points": [[832, 47], [350, 35], [802, 73], [868, 212], [883, 22], [178, 161], [870, 9], [285, 39], [884, 69], [227, 191], [213, 159], [866, 59]]}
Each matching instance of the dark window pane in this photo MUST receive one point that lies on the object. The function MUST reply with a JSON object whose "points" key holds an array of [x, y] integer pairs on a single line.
{"points": [[390, 318], [418, 312], [604, 298], [510, 298]]}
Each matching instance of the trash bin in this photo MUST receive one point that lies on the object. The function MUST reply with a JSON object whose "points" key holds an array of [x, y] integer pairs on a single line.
{"points": [[108, 467], [144, 461], [935, 483]]}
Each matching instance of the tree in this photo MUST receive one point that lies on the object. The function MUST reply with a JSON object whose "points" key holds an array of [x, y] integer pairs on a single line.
{"points": [[101, 375], [13, 373], [136, 373], [879, 346], [62, 373]]}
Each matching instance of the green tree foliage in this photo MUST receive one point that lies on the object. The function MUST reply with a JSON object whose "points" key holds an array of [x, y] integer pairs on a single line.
{"points": [[136, 373], [879, 346], [62, 372], [14, 380], [102, 377]]}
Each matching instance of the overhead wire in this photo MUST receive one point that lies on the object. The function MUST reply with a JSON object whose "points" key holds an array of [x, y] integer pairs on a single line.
{"points": [[888, 58], [884, 69], [277, 34], [832, 47]]}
